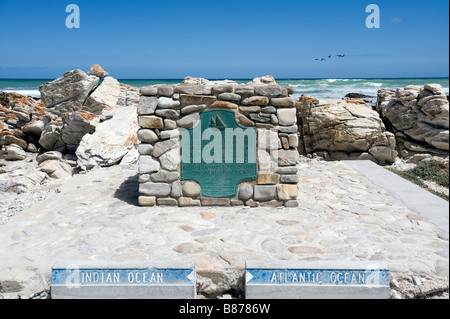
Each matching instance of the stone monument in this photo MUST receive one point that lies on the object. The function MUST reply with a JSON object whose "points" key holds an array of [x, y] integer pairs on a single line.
{"points": [[221, 143]]}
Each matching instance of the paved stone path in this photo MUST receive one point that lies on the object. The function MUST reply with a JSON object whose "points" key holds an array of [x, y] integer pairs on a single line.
{"points": [[342, 216], [431, 207]]}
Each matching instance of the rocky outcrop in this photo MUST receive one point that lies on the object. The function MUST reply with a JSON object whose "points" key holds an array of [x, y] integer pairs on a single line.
{"points": [[419, 118], [98, 71], [21, 120], [342, 130], [111, 141], [78, 105], [69, 92], [76, 126], [71, 108], [105, 95]]}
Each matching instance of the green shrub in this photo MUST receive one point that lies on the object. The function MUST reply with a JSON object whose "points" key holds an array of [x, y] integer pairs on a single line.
{"points": [[435, 171], [431, 171]]}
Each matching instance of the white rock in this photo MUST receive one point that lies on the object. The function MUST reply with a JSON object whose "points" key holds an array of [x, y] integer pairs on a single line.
{"points": [[111, 141], [69, 92], [287, 116], [105, 95], [170, 160], [148, 165], [131, 157], [13, 153], [56, 169]]}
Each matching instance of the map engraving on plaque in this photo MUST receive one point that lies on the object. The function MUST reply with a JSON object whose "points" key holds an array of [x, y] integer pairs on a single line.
{"points": [[218, 153]]}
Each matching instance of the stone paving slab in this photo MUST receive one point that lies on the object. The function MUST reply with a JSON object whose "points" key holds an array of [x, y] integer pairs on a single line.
{"points": [[431, 207], [342, 216]]}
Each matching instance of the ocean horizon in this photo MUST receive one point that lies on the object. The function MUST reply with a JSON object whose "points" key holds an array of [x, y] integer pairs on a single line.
{"points": [[321, 88]]}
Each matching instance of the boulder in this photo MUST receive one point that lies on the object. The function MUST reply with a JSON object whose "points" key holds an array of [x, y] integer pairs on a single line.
{"points": [[51, 135], [111, 140], [76, 126], [105, 95], [129, 96], [268, 79], [16, 137], [69, 92], [97, 71], [12, 153], [358, 96], [56, 169], [25, 107], [52, 155], [419, 118], [337, 126], [36, 127]]}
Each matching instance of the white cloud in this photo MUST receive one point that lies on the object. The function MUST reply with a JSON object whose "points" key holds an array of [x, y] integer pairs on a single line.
{"points": [[397, 20]]}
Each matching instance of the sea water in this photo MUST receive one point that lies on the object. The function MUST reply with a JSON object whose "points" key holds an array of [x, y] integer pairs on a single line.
{"points": [[318, 88]]}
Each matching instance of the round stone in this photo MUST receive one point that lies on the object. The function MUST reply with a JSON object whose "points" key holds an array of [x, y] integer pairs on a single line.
{"points": [[191, 189], [245, 192]]}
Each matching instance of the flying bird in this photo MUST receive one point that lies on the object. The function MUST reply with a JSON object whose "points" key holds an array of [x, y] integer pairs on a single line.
{"points": [[341, 55]]}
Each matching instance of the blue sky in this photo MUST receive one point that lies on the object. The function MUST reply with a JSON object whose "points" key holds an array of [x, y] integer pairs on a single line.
{"points": [[225, 39]]}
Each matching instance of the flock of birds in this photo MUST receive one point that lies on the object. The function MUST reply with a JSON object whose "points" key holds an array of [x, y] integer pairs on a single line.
{"points": [[329, 57]]}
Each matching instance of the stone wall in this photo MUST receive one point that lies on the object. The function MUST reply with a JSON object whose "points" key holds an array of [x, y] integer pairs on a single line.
{"points": [[166, 110]]}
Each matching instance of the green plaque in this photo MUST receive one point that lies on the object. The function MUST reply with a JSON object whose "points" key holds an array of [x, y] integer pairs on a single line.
{"points": [[218, 153]]}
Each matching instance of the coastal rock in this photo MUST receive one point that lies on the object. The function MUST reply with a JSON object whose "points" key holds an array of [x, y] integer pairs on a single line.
{"points": [[51, 135], [69, 92], [268, 79], [194, 81], [26, 108], [35, 127], [12, 153], [13, 137], [338, 126], [358, 96], [52, 155], [76, 126], [128, 96], [105, 95], [111, 140], [56, 169], [419, 118], [97, 71]]}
